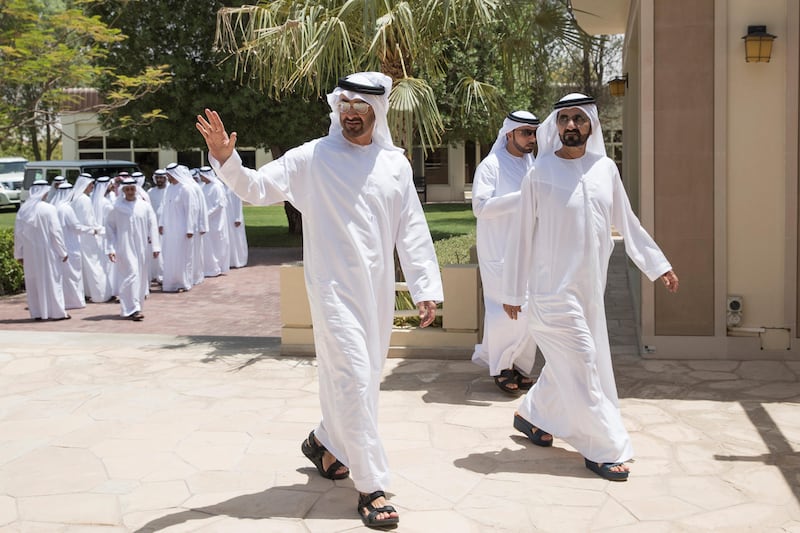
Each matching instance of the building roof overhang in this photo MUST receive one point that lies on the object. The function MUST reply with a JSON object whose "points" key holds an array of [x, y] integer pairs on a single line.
{"points": [[601, 17]]}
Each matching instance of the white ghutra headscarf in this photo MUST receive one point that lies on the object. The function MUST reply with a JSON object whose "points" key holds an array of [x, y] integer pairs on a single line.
{"points": [[547, 134], [373, 88], [514, 120]]}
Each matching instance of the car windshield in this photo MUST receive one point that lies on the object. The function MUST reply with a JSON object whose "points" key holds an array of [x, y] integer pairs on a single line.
{"points": [[15, 166]]}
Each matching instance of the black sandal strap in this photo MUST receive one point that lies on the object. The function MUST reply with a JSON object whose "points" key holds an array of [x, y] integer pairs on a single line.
{"points": [[505, 378], [369, 519], [366, 499]]}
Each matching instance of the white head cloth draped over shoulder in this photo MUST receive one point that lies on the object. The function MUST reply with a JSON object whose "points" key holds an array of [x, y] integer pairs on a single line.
{"points": [[37, 193], [61, 195], [514, 120], [208, 173], [547, 134], [180, 173], [373, 88], [83, 181]]}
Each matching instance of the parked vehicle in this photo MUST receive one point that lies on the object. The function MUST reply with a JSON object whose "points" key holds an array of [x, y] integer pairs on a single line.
{"points": [[70, 169], [11, 176]]}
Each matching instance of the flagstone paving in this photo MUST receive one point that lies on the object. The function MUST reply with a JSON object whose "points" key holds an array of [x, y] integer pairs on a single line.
{"points": [[125, 430]]}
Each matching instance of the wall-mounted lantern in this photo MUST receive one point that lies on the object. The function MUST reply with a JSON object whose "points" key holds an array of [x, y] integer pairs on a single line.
{"points": [[758, 44], [617, 85]]}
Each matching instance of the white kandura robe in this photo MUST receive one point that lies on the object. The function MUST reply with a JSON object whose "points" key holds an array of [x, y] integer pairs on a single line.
{"points": [[560, 249], [102, 207], [156, 264], [178, 218], [495, 203], [236, 234], [357, 202], [72, 268], [216, 251], [200, 230], [95, 271], [39, 242], [130, 226]]}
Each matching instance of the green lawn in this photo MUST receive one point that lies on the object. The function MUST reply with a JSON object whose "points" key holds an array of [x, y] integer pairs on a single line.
{"points": [[267, 227]]}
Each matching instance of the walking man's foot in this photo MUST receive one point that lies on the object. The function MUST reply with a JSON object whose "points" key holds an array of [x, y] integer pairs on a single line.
{"points": [[375, 511]]}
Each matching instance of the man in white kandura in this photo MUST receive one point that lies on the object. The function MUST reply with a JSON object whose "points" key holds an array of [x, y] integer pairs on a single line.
{"points": [[74, 293], [216, 248], [39, 247], [558, 252], [95, 271], [130, 227], [201, 228], [236, 230], [157, 194], [177, 227], [506, 347], [356, 193]]}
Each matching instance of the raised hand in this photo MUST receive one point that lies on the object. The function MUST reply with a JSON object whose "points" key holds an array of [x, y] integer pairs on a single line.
{"points": [[220, 144]]}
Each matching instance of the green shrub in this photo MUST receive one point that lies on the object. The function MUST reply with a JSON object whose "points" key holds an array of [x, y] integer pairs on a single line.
{"points": [[455, 250], [451, 251], [12, 279]]}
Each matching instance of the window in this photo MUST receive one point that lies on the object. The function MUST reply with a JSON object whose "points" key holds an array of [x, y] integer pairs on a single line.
{"points": [[192, 159], [147, 161], [112, 142], [118, 154], [90, 143], [436, 167], [248, 158]]}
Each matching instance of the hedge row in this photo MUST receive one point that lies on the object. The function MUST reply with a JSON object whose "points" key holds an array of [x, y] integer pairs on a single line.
{"points": [[12, 279]]}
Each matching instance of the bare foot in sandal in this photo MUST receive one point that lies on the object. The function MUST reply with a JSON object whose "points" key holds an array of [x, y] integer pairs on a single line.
{"points": [[326, 463], [375, 511], [328, 459], [506, 381]]}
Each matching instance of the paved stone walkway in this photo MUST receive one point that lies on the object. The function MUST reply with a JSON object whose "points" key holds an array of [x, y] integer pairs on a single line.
{"points": [[114, 431], [244, 302]]}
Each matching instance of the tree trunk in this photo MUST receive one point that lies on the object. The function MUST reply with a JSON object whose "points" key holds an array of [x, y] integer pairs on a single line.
{"points": [[293, 216]]}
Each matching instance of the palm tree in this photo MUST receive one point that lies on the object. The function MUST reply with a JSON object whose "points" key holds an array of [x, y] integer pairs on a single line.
{"points": [[304, 46]]}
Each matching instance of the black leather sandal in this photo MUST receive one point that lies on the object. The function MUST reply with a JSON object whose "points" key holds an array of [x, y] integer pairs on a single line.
{"points": [[604, 470], [314, 452], [537, 436], [523, 382], [505, 378], [369, 519]]}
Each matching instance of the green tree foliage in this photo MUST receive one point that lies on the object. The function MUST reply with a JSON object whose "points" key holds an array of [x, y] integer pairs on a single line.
{"points": [[181, 35], [472, 56], [47, 48]]}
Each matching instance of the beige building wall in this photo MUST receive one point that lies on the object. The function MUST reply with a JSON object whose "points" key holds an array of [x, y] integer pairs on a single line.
{"points": [[711, 165], [756, 173]]}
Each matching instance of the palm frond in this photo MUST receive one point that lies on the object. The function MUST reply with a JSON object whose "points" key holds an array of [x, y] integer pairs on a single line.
{"points": [[327, 55], [443, 16], [479, 97], [394, 29], [412, 105]]}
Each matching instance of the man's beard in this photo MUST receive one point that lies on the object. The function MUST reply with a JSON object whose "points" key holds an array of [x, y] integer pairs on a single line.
{"points": [[354, 127], [573, 138], [523, 148]]}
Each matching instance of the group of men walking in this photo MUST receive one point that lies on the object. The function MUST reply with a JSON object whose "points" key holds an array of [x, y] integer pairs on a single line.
{"points": [[544, 242], [107, 239]]}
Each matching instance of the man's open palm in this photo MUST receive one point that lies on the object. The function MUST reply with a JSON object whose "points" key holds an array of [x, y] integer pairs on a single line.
{"points": [[220, 144]]}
